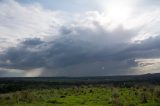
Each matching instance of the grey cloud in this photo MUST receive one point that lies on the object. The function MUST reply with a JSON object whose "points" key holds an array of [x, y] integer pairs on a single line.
{"points": [[32, 42], [149, 48], [4, 72], [81, 51], [72, 49]]}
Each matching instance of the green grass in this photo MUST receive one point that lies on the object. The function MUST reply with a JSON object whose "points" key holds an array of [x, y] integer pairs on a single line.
{"points": [[84, 96]]}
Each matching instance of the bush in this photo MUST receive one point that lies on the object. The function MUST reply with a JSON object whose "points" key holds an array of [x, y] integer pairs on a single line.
{"points": [[144, 98], [25, 96]]}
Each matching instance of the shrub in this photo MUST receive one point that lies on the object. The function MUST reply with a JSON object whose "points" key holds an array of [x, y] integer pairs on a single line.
{"points": [[144, 98], [26, 96], [54, 102]]}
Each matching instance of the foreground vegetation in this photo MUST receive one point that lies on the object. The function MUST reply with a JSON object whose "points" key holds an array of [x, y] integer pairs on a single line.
{"points": [[84, 96], [141, 90]]}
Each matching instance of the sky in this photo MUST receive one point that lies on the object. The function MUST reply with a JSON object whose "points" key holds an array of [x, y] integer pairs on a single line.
{"points": [[79, 37]]}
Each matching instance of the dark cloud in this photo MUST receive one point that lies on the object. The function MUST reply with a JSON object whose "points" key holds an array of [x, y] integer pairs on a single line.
{"points": [[149, 48], [32, 42], [81, 52]]}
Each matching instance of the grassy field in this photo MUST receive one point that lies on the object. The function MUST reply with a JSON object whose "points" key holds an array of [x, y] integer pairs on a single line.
{"points": [[143, 90], [87, 95]]}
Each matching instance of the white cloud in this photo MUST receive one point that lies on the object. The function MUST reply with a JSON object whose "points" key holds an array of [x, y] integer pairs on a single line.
{"points": [[19, 21], [34, 72], [131, 14], [150, 65]]}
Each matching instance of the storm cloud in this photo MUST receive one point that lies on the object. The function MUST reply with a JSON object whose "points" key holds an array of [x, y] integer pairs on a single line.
{"points": [[80, 51]]}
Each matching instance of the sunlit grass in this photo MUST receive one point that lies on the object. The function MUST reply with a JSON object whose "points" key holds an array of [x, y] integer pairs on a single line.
{"points": [[84, 96]]}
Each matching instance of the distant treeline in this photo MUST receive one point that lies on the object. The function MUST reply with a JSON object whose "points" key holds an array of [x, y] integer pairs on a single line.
{"points": [[18, 84]]}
